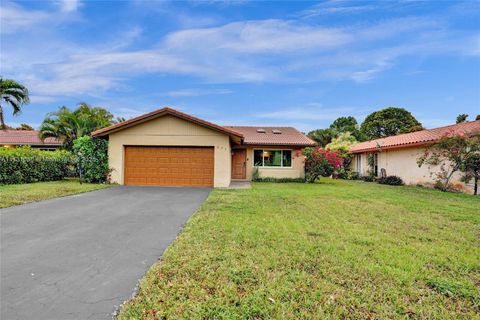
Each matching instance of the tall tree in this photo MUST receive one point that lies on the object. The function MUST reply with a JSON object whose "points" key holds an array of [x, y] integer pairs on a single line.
{"points": [[68, 125], [462, 117], [346, 124], [13, 94], [321, 136], [389, 122]]}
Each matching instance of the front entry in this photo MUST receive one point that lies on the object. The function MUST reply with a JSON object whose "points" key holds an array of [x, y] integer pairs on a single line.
{"points": [[239, 164]]}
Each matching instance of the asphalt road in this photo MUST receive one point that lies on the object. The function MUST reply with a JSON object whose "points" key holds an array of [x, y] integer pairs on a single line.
{"points": [[80, 257]]}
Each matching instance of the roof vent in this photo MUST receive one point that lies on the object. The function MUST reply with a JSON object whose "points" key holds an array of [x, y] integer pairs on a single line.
{"points": [[260, 130], [275, 131]]}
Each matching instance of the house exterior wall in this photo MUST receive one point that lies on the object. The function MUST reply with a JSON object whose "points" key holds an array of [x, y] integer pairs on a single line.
{"points": [[170, 131], [296, 171], [402, 162]]}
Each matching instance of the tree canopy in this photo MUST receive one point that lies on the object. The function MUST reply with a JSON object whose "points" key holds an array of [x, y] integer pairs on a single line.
{"points": [[69, 125], [346, 124], [321, 136], [389, 122], [462, 117], [13, 94]]}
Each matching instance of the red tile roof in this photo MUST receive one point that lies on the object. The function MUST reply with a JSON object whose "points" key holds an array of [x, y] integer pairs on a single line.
{"points": [[288, 136], [418, 138], [158, 113], [25, 137]]}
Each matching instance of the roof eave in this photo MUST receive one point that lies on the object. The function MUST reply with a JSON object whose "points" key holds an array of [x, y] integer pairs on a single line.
{"points": [[398, 146], [159, 113]]}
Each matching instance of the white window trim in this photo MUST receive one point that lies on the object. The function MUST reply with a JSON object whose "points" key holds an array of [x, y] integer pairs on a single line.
{"points": [[272, 167]]}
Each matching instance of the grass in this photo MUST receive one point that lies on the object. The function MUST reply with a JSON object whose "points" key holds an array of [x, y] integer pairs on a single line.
{"points": [[333, 250], [15, 194]]}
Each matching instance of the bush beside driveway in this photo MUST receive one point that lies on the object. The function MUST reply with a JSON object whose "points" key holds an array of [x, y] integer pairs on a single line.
{"points": [[338, 249]]}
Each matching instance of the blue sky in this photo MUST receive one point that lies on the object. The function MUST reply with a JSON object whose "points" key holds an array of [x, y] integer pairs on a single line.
{"points": [[242, 62]]}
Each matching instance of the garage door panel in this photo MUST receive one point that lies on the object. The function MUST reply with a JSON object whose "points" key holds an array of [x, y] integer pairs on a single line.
{"points": [[169, 166]]}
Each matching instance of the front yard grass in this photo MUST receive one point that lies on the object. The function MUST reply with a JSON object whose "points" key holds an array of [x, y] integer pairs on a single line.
{"points": [[15, 194], [335, 249]]}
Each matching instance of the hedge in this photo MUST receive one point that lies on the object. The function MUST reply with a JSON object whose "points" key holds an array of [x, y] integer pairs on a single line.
{"points": [[26, 165], [93, 159]]}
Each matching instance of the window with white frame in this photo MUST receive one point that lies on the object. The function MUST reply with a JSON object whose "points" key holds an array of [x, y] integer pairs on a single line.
{"points": [[272, 158]]}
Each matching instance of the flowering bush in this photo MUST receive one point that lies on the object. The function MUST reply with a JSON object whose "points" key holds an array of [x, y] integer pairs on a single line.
{"points": [[320, 162], [450, 154]]}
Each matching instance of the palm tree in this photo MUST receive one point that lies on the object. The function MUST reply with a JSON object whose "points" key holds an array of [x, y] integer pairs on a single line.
{"points": [[14, 94], [67, 125]]}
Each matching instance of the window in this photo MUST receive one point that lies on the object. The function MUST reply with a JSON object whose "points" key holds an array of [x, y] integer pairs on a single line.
{"points": [[375, 164], [359, 163], [272, 158]]}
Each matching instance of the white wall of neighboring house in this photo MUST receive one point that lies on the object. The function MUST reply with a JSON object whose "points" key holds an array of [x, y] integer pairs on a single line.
{"points": [[402, 162]]}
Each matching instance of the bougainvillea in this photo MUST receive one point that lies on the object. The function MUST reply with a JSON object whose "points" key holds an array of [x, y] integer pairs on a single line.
{"points": [[320, 162], [449, 155]]}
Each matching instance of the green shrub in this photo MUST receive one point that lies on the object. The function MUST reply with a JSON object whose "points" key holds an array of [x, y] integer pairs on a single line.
{"points": [[26, 165], [278, 180], [92, 159], [391, 180]]}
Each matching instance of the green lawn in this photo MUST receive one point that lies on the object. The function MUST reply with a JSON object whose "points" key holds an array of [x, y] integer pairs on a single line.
{"points": [[14, 194], [337, 249]]}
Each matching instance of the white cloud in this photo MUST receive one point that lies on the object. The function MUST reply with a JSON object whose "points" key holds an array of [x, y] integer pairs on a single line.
{"points": [[14, 18], [197, 92], [69, 5], [263, 36], [270, 50]]}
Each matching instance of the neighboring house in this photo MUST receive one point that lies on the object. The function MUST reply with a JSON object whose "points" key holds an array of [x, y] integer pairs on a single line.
{"points": [[398, 155], [170, 148], [14, 138]]}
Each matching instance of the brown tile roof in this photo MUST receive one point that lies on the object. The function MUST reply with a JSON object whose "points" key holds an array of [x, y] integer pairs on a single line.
{"points": [[288, 136], [417, 138], [158, 113], [25, 137]]}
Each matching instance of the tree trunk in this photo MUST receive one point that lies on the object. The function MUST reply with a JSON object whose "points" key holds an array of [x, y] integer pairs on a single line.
{"points": [[2, 121], [475, 186]]}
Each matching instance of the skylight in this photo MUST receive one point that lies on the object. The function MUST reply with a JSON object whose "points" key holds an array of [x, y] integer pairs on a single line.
{"points": [[260, 130], [276, 131]]}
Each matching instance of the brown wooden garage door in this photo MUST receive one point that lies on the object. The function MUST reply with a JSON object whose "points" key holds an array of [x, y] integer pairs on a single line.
{"points": [[169, 166]]}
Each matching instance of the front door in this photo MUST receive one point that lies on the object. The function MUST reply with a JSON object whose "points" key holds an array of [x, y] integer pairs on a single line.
{"points": [[239, 166]]}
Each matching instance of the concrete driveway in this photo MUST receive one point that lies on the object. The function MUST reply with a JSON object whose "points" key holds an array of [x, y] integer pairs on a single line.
{"points": [[81, 256]]}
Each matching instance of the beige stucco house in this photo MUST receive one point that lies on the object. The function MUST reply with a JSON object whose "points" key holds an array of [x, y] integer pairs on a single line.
{"points": [[170, 148], [397, 155]]}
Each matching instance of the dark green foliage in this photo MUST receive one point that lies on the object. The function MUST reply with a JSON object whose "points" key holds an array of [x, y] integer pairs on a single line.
{"points": [[346, 124], [389, 122], [391, 180], [321, 136], [92, 159], [462, 117], [477, 117], [471, 171], [278, 180], [26, 165], [68, 125]]}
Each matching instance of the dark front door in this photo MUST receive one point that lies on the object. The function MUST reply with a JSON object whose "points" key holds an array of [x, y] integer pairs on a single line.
{"points": [[239, 168]]}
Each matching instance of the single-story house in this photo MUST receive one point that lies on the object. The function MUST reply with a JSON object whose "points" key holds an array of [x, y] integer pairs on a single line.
{"points": [[397, 155], [167, 147], [13, 138]]}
